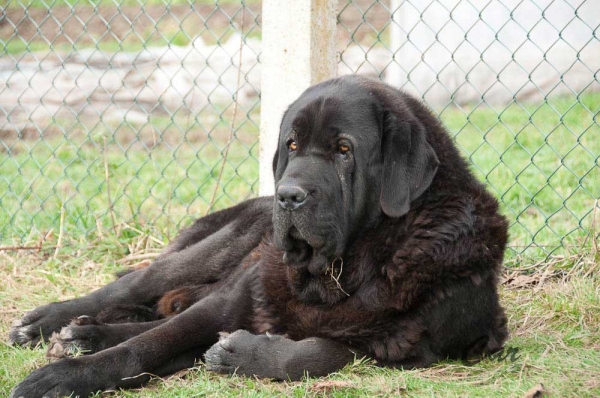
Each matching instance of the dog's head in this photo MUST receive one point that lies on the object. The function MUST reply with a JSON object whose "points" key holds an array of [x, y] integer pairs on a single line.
{"points": [[350, 152]]}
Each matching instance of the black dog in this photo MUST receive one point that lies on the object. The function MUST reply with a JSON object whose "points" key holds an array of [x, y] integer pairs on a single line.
{"points": [[378, 243]]}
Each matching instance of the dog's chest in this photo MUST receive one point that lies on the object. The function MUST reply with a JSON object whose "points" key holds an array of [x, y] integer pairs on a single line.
{"points": [[278, 311], [299, 321]]}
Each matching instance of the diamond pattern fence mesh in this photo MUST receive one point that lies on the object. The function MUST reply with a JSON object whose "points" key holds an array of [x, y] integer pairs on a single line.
{"points": [[147, 112]]}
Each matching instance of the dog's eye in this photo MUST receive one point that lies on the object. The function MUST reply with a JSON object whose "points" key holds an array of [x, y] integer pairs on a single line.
{"points": [[292, 146], [343, 148]]}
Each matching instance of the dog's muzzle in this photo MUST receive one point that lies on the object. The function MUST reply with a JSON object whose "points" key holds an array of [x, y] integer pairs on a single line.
{"points": [[291, 196]]}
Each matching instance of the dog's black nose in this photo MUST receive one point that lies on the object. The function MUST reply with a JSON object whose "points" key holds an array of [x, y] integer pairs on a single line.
{"points": [[291, 197]]}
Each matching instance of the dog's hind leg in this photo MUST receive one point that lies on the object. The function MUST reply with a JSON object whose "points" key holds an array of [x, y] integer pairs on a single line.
{"points": [[208, 261], [227, 309], [127, 313], [202, 228]]}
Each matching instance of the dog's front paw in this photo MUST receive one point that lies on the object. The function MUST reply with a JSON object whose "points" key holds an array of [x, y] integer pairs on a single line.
{"points": [[246, 354], [59, 379], [84, 335], [220, 357], [39, 324], [79, 377]]}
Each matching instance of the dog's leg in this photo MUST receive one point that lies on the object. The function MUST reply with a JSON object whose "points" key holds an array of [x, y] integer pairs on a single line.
{"points": [[127, 313], [209, 260], [86, 335], [227, 309], [276, 357], [250, 210], [135, 288]]}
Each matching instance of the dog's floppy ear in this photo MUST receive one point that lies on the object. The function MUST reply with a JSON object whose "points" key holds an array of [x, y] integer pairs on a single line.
{"points": [[409, 164]]}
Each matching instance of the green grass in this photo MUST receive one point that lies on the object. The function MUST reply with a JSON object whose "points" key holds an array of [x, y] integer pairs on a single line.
{"points": [[541, 161], [156, 177]]}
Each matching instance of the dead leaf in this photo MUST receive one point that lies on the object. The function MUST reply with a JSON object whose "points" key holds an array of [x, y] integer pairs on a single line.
{"points": [[536, 392], [329, 385], [524, 280], [178, 375], [142, 264], [55, 349]]}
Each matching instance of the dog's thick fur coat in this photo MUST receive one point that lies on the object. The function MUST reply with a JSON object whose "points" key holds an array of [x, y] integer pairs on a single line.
{"points": [[379, 242]]}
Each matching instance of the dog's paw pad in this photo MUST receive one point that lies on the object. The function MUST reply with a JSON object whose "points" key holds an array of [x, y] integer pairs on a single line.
{"points": [[218, 359], [231, 353], [62, 345], [74, 340], [56, 349]]}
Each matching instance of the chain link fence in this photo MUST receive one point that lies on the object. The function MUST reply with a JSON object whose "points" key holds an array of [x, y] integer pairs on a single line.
{"points": [[147, 112], [516, 82], [123, 111]]}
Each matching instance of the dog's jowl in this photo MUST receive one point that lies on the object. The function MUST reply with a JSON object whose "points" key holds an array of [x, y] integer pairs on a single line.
{"points": [[378, 243]]}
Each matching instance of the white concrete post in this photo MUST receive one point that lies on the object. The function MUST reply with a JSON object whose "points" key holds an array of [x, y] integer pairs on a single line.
{"points": [[395, 75], [298, 50]]}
